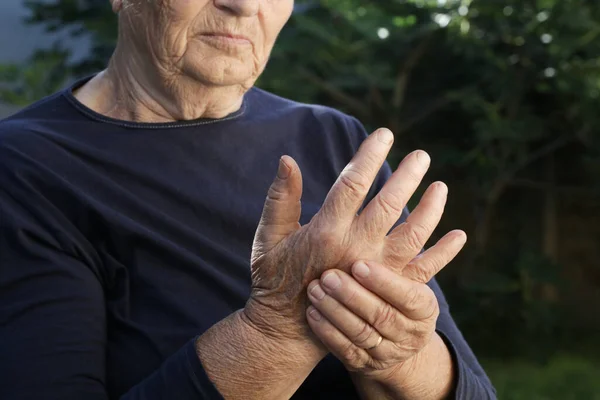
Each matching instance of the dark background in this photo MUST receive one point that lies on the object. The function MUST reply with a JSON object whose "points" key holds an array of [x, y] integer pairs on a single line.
{"points": [[505, 96]]}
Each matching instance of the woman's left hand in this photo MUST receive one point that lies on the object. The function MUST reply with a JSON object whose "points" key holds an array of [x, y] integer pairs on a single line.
{"points": [[377, 319]]}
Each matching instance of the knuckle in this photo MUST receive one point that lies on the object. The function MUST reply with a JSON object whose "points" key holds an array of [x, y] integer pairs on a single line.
{"points": [[362, 337], [414, 299], [371, 158], [385, 316], [431, 268], [350, 298], [276, 193], [414, 175], [328, 238], [353, 357], [417, 235], [420, 271], [355, 181], [421, 335], [390, 202], [432, 308], [408, 345], [434, 264]]}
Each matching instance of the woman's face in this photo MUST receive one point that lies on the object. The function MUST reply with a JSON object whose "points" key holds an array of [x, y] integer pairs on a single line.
{"points": [[217, 42]]}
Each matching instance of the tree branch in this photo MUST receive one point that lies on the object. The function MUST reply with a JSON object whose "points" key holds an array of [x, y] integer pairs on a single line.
{"points": [[543, 151], [536, 185], [338, 95], [406, 69], [376, 96], [425, 112], [502, 181]]}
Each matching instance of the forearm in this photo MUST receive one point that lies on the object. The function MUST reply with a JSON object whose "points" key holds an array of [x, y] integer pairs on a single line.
{"points": [[428, 375], [244, 363]]}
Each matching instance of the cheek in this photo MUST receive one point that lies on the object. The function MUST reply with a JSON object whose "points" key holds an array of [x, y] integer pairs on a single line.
{"points": [[273, 18], [182, 9], [175, 20]]}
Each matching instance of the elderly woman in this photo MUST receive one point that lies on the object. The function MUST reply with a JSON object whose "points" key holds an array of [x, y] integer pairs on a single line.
{"points": [[130, 262]]}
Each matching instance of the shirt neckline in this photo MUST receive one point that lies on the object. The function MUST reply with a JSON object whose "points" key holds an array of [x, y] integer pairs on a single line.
{"points": [[68, 94]]}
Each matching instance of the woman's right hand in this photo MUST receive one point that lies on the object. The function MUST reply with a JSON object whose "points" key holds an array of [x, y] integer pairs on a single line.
{"points": [[286, 257]]}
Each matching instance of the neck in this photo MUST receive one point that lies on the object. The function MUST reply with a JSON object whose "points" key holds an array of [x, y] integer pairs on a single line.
{"points": [[130, 90]]}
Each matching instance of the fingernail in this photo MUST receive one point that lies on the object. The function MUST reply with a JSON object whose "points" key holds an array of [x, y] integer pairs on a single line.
{"points": [[332, 281], [423, 158], [385, 136], [361, 269], [314, 314], [317, 292], [284, 171]]}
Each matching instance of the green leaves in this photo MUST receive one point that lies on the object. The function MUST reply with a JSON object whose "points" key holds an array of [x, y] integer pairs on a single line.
{"points": [[23, 84], [48, 70]]}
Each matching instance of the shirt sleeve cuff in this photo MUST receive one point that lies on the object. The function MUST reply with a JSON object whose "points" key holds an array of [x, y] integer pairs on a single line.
{"points": [[181, 377], [203, 384], [468, 386]]}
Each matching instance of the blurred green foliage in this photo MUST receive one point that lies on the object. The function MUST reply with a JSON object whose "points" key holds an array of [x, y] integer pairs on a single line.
{"points": [[503, 94], [45, 74], [563, 377]]}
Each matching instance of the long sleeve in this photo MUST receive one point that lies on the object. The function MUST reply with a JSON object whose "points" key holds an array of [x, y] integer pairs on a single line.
{"points": [[180, 377], [471, 382], [53, 318]]}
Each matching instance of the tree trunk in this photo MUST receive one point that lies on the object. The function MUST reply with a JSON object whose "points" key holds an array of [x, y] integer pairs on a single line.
{"points": [[550, 216], [485, 218]]}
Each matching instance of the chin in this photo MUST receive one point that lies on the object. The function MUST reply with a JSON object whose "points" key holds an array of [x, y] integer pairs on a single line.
{"points": [[221, 69], [223, 73]]}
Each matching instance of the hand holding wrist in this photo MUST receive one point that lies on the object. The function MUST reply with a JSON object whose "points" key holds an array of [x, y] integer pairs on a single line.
{"points": [[427, 375], [381, 325]]}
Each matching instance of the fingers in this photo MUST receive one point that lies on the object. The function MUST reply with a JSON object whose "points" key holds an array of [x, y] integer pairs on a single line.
{"points": [[354, 357], [362, 316], [385, 354], [360, 326], [282, 208], [391, 306], [384, 210], [408, 239], [425, 266], [349, 191], [414, 300]]}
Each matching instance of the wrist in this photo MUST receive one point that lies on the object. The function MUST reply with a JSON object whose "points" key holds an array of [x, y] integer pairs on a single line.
{"points": [[427, 375], [264, 366], [282, 324], [288, 334]]}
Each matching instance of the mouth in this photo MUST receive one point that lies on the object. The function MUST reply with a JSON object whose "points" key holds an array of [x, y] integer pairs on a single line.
{"points": [[227, 37]]}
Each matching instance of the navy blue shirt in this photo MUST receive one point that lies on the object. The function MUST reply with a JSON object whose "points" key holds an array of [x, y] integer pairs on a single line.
{"points": [[121, 242]]}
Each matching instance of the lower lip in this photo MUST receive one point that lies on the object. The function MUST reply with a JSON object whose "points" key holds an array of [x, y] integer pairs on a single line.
{"points": [[225, 40]]}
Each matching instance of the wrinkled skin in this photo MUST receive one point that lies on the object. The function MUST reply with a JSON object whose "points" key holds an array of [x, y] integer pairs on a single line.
{"points": [[286, 257], [376, 319], [170, 66], [174, 36], [172, 61], [176, 60]]}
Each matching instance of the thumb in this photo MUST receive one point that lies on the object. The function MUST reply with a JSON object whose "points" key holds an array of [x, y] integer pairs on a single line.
{"points": [[281, 213]]}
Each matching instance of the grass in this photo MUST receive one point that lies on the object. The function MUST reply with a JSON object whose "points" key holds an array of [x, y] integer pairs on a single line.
{"points": [[563, 377]]}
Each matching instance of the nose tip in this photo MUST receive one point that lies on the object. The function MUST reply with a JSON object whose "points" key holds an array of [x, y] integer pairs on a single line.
{"points": [[242, 8]]}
